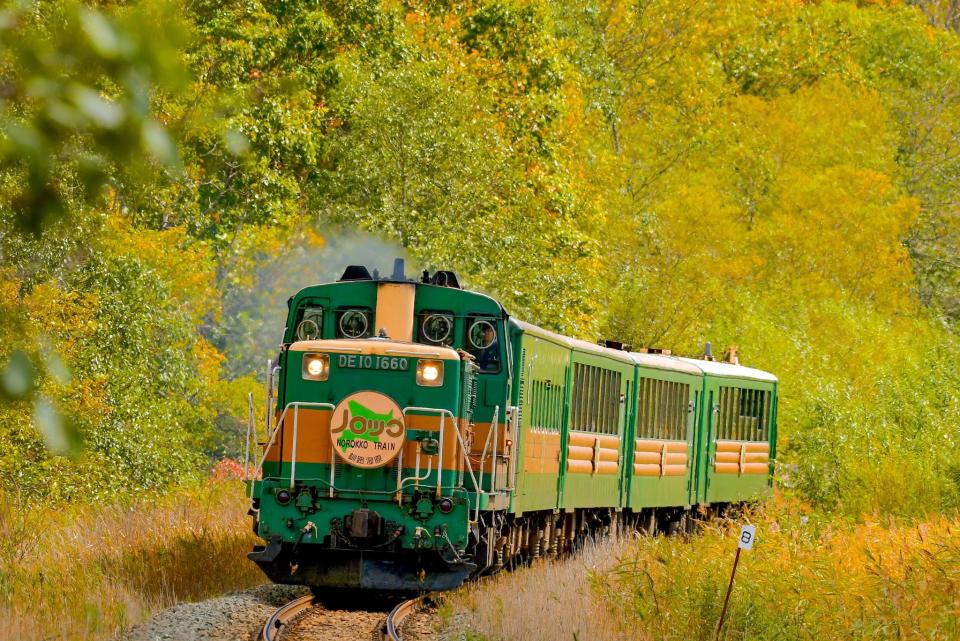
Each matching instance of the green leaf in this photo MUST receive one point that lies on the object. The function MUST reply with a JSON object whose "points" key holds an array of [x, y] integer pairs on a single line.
{"points": [[157, 142], [236, 143], [103, 112], [106, 40], [18, 377], [58, 434]]}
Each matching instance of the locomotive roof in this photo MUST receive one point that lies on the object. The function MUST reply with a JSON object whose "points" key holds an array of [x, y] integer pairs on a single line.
{"points": [[325, 289], [729, 370]]}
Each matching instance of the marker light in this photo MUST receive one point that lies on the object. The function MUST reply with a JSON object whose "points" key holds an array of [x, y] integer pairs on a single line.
{"points": [[429, 373], [446, 506], [316, 367]]}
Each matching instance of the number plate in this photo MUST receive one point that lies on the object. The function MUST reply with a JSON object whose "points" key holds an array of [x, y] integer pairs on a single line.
{"points": [[373, 361]]}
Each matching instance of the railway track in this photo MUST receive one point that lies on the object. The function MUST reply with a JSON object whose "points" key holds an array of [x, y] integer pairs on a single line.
{"points": [[396, 617], [283, 615], [288, 616]]}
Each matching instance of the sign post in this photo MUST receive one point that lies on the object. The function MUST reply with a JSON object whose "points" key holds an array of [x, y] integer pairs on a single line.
{"points": [[747, 535]]}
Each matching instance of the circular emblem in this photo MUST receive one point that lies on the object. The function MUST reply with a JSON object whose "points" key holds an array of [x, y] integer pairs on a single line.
{"points": [[367, 429]]}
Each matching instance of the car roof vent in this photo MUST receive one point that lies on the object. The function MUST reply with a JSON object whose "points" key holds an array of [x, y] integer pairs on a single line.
{"points": [[617, 345], [442, 278], [355, 272], [655, 350]]}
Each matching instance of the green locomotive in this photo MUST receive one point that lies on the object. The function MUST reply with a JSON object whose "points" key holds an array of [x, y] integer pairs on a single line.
{"points": [[419, 435]]}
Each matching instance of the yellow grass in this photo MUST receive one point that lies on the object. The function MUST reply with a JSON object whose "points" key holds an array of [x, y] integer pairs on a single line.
{"points": [[548, 601], [89, 572], [806, 578]]}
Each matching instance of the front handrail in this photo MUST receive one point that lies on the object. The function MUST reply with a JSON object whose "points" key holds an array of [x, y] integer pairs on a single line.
{"points": [[296, 405], [401, 482], [443, 414], [416, 478], [463, 448]]}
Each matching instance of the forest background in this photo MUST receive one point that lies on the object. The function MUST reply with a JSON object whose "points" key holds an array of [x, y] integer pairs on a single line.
{"points": [[777, 175]]}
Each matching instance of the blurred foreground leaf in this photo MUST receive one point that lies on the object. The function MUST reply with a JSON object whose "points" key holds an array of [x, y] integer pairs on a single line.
{"points": [[18, 376]]}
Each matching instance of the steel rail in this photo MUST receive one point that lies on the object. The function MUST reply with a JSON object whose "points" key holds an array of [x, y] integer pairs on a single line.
{"points": [[397, 616], [283, 614]]}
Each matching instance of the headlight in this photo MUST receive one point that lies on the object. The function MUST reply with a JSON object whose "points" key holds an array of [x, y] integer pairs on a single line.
{"points": [[430, 373], [316, 367]]}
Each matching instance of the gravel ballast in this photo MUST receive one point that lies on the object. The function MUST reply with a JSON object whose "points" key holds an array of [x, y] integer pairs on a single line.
{"points": [[233, 617]]}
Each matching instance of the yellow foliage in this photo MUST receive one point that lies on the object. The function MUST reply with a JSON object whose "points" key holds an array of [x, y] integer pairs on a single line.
{"points": [[180, 261]]}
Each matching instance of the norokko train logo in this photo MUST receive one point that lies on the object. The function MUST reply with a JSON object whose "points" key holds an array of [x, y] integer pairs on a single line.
{"points": [[367, 429]]}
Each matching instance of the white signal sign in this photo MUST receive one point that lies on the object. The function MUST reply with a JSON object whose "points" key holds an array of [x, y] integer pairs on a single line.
{"points": [[747, 534]]}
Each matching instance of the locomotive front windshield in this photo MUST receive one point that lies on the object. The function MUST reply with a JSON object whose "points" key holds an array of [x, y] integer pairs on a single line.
{"points": [[310, 326], [476, 334], [353, 323], [479, 338], [436, 328], [483, 344]]}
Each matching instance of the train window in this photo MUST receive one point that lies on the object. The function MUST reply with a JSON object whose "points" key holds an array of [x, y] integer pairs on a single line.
{"points": [[589, 396], [576, 410], [681, 405], [353, 323], [643, 412], [753, 414], [662, 406], [725, 418], [596, 400], [310, 325], [744, 414], [767, 402], [436, 328], [577, 394], [662, 409], [546, 405], [483, 344]]}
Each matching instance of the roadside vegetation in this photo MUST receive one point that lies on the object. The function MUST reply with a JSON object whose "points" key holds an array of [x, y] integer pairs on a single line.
{"points": [[807, 577], [775, 176], [88, 571]]}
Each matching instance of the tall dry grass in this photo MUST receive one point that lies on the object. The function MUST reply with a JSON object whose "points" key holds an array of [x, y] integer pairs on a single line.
{"points": [[551, 600], [89, 572], [808, 577]]}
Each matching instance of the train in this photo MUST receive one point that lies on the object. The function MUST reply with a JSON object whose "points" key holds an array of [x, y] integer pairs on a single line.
{"points": [[418, 435]]}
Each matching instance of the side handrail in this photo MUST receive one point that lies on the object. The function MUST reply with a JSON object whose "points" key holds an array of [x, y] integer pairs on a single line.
{"points": [[514, 433], [483, 454], [272, 370], [246, 449]]}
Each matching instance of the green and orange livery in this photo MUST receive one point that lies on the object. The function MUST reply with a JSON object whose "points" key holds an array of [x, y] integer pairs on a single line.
{"points": [[420, 435]]}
